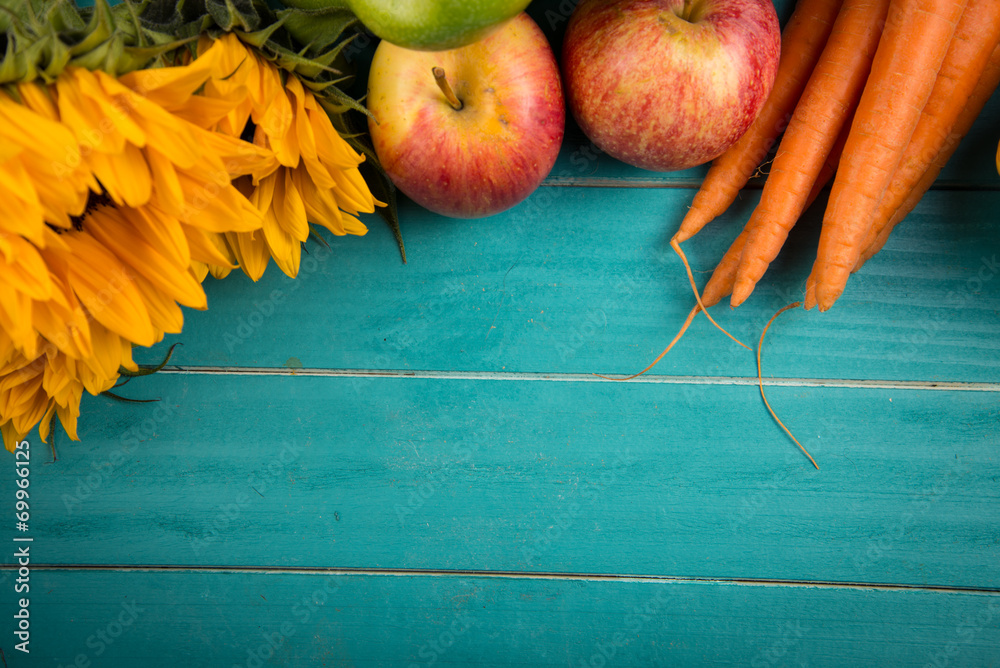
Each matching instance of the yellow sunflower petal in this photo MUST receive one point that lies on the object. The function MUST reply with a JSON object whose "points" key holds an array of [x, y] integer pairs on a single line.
{"points": [[251, 251], [283, 247], [15, 313], [105, 287], [68, 417], [216, 208], [167, 191], [164, 312], [20, 125], [22, 268], [321, 206], [104, 363], [288, 207], [208, 248], [45, 425], [36, 96], [83, 116], [125, 175], [171, 87], [331, 148], [21, 211], [114, 101], [114, 230]]}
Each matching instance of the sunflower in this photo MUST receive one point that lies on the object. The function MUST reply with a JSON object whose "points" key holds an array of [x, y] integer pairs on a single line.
{"points": [[132, 164], [116, 199], [315, 178]]}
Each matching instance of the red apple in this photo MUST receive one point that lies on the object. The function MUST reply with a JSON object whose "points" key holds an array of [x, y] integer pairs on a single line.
{"points": [[492, 144], [669, 84]]}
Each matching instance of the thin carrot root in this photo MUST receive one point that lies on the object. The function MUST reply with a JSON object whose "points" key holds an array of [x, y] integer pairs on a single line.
{"points": [[687, 267], [760, 382], [684, 327]]}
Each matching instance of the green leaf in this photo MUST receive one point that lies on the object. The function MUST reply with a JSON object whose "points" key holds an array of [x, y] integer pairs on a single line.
{"points": [[336, 102], [146, 371], [98, 30], [260, 37], [233, 14], [318, 29]]}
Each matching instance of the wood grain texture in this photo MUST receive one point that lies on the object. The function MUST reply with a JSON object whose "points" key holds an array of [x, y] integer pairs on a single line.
{"points": [[594, 288], [531, 476], [258, 619], [381, 464]]}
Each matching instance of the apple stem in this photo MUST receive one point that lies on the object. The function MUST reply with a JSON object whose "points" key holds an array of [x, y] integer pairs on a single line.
{"points": [[445, 87]]}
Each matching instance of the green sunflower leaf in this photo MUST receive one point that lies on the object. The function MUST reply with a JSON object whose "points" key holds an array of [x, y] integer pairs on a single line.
{"points": [[233, 14], [317, 30]]}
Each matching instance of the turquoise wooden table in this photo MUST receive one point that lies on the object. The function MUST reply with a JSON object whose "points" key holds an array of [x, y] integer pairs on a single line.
{"points": [[388, 464]]}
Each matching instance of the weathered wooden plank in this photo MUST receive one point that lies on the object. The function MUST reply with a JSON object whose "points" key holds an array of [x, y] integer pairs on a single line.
{"points": [[592, 286], [687, 480], [261, 619]]}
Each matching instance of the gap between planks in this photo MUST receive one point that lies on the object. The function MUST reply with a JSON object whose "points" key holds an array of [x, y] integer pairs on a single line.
{"points": [[694, 184], [582, 378], [509, 575]]}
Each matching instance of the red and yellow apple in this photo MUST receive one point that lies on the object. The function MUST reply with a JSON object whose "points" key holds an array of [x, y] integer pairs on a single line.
{"points": [[473, 131], [669, 84]]}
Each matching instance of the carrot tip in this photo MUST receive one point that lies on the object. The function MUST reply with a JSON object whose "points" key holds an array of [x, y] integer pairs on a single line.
{"points": [[701, 305], [684, 327], [760, 383]]}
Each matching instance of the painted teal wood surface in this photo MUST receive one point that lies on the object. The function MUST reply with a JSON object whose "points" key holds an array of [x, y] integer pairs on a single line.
{"points": [[381, 464], [689, 480], [595, 288], [323, 619]]}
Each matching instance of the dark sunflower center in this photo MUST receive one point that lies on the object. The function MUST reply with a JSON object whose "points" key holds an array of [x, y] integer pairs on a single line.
{"points": [[94, 200], [249, 131]]}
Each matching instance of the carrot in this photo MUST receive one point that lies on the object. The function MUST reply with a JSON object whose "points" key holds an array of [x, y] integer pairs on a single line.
{"points": [[680, 333], [829, 168], [986, 84], [827, 102], [976, 38], [720, 285], [802, 40], [760, 382], [913, 46]]}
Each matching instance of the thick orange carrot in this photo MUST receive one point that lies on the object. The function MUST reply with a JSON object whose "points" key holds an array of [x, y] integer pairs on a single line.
{"points": [[720, 285], [986, 84], [976, 38], [829, 168], [913, 46], [802, 39], [829, 99]]}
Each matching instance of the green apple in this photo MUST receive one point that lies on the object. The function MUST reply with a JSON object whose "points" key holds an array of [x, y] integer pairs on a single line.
{"points": [[426, 25]]}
